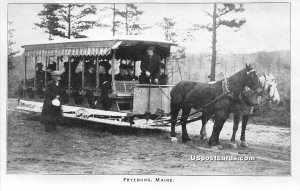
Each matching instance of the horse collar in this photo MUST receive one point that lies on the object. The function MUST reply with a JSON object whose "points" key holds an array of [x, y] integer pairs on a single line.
{"points": [[225, 84]]}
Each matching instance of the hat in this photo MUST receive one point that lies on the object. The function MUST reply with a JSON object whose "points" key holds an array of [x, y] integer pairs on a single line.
{"points": [[151, 48], [39, 64], [56, 73], [130, 66], [66, 64], [52, 66], [105, 64], [123, 66]]}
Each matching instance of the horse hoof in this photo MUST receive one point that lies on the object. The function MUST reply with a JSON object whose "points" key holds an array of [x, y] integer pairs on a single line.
{"points": [[233, 145], [220, 146], [214, 147], [203, 137], [244, 144], [186, 140], [174, 140]]}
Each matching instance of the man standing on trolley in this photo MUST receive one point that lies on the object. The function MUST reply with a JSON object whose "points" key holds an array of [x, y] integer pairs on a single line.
{"points": [[150, 67]]}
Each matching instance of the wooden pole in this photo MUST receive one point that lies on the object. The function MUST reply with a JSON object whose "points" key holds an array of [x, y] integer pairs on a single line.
{"points": [[97, 73], [69, 80], [35, 60], [57, 64], [113, 71], [46, 64], [82, 74], [25, 69]]}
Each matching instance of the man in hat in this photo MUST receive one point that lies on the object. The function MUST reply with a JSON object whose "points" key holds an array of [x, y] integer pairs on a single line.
{"points": [[163, 78], [122, 75], [51, 111], [104, 84], [90, 80], [64, 83], [40, 79], [150, 67], [131, 76]]}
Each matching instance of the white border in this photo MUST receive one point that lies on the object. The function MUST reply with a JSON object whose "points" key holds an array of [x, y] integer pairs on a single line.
{"points": [[94, 182]]}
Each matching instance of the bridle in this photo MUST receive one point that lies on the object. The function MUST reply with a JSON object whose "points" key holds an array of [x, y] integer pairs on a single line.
{"points": [[255, 73]]}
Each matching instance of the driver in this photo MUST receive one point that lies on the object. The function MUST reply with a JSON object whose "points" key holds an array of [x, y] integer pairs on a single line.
{"points": [[150, 67]]}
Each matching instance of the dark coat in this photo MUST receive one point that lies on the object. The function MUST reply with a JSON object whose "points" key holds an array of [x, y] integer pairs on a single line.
{"points": [[90, 78], [64, 80], [151, 65], [132, 77], [119, 77], [163, 79], [51, 113], [40, 78], [105, 81]]}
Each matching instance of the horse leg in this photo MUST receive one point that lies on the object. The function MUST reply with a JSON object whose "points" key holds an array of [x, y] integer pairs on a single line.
{"points": [[174, 113], [185, 112], [220, 119], [203, 134], [236, 122], [244, 125]]}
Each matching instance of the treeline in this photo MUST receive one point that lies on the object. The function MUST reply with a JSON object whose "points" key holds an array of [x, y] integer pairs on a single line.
{"points": [[196, 67]]}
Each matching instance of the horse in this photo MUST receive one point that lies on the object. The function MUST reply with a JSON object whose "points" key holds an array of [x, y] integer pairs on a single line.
{"points": [[270, 93], [189, 94]]}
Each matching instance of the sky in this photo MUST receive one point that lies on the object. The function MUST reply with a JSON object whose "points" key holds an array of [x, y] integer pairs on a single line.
{"points": [[267, 27]]}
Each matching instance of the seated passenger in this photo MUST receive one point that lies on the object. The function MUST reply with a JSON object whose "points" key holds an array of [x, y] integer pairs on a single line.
{"points": [[90, 81], [122, 75], [90, 76], [131, 76], [50, 68], [104, 84], [40, 79], [65, 76], [163, 78]]}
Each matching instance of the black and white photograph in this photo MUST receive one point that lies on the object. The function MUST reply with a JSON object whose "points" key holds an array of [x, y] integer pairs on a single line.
{"points": [[148, 91]]}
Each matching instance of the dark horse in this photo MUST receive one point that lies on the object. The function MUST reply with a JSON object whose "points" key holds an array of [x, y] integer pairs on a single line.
{"points": [[270, 94], [187, 95]]}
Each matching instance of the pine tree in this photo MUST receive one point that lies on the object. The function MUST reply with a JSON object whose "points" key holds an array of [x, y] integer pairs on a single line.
{"points": [[67, 20], [132, 16], [219, 11], [73, 17], [10, 51], [168, 26], [50, 21], [125, 21]]}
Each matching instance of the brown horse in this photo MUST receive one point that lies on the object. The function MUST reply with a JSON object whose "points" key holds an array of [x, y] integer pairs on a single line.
{"points": [[187, 95]]}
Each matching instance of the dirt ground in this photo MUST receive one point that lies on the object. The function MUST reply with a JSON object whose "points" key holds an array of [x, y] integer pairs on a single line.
{"points": [[87, 148]]}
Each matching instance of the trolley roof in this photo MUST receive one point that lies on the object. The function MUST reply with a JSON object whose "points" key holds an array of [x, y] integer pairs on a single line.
{"points": [[128, 48]]}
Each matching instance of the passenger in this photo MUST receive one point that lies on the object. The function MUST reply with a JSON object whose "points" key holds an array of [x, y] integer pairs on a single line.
{"points": [[64, 83], [150, 67], [104, 84], [122, 75], [50, 68], [77, 82], [163, 78], [65, 76], [40, 79], [90, 78], [104, 76], [51, 111], [131, 76]]}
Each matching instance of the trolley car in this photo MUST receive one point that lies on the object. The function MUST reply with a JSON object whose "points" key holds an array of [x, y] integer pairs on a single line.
{"points": [[129, 99]]}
